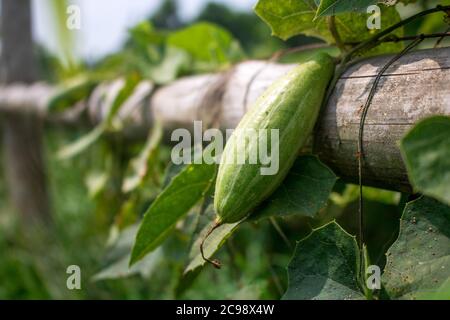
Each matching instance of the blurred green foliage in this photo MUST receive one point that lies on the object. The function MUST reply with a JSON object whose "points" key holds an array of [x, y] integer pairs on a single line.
{"points": [[33, 262]]}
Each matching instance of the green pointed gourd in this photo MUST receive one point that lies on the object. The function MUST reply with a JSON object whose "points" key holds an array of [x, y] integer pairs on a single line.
{"points": [[291, 105]]}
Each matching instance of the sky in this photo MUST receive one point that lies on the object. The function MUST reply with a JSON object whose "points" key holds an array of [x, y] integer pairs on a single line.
{"points": [[104, 23]]}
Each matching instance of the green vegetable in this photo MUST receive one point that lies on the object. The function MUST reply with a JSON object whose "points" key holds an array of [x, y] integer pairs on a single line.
{"points": [[291, 105]]}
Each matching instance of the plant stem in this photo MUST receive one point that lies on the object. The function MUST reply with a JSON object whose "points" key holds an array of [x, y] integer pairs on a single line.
{"points": [[393, 38], [365, 263], [360, 151], [280, 232], [215, 263], [331, 21], [446, 34]]}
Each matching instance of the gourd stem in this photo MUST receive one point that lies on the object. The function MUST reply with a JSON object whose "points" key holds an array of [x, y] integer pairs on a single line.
{"points": [[331, 21], [216, 263]]}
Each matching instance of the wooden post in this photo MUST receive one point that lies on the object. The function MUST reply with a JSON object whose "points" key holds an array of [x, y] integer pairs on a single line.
{"points": [[22, 146], [415, 87]]}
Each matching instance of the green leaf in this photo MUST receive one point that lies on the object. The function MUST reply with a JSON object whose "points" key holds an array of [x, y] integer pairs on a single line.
{"points": [[304, 191], [148, 52], [143, 34], [129, 211], [290, 18], [251, 291], [125, 92], [426, 152], [182, 193], [81, 144], [442, 293], [121, 269], [64, 36], [138, 169], [325, 266], [120, 251], [96, 182], [87, 140], [185, 282], [419, 261], [169, 68], [204, 219], [212, 243], [207, 42], [381, 226], [432, 23], [334, 7], [171, 172]]}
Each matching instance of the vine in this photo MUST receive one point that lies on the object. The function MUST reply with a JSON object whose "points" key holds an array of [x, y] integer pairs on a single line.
{"points": [[360, 151]]}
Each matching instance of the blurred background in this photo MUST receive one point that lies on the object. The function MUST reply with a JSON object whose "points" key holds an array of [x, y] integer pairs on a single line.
{"points": [[105, 23]]}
